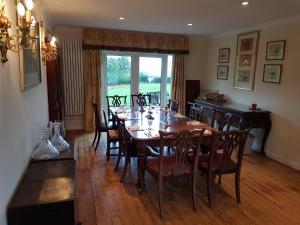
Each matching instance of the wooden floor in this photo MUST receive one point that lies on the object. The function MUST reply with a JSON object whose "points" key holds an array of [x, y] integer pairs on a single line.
{"points": [[270, 194]]}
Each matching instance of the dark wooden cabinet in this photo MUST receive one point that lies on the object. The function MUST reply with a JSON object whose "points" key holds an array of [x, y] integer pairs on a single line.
{"points": [[243, 117], [46, 194], [54, 87], [192, 90]]}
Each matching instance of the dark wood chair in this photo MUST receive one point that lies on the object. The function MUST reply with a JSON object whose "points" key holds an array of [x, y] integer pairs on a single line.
{"points": [[111, 137], [127, 148], [194, 112], [220, 159], [99, 126], [224, 123], [183, 144], [174, 105], [114, 101], [140, 99], [207, 115]]}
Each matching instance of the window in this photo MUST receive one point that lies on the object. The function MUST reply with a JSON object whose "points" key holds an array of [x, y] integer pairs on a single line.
{"points": [[125, 73]]}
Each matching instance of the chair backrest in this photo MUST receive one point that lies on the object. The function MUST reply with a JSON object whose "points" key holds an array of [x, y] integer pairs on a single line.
{"points": [[105, 120], [224, 122], [207, 115], [184, 145], [96, 115], [116, 100], [231, 141], [140, 99], [195, 112], [154, 97], [174, 105]]}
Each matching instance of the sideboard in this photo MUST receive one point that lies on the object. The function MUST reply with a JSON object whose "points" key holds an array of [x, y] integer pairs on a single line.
{"points": [[243, 117]]}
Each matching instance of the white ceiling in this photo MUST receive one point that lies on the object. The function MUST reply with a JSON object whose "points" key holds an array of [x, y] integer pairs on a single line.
{"points": [[209, 17]]}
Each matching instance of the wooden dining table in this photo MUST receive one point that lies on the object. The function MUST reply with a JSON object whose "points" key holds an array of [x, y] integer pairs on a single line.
{"points": [[143, 126]]}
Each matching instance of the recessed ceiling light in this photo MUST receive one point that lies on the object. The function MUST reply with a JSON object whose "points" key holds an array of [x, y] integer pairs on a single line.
{"points": [[121, 18], [190, 24], [245, 3]]}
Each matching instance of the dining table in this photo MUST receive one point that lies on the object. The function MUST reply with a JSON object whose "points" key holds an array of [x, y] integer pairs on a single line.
{"points": [[144, 123]]}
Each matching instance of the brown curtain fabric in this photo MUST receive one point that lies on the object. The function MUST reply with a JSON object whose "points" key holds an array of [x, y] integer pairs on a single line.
{"points": [[92, 83], [178, 82], [135, 41]]}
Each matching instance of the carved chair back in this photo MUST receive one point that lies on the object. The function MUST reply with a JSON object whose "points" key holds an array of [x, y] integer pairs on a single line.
{"points": [[207, 115], [232, 141], [116, 100], [174, 105], [185, 144], [224, 122], [140, 99]]}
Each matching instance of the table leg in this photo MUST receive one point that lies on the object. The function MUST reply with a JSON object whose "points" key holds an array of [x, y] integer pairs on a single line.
{"points": [[141, 169]]}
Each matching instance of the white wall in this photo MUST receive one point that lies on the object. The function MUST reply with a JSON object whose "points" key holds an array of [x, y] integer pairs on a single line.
{"points": [[281, 99], [195, 61], [21, 115]]}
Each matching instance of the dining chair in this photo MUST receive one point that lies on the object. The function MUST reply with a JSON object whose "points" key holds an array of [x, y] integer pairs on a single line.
{"points": [[174, 105], [127, 148], [114, 101], [194, 112], [207, 115], [220, 159], [99, 126], [224, 123], [183, 144], [140, 99], [111, 137]]}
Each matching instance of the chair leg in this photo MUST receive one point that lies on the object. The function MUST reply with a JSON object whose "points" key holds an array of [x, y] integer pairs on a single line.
{"points": [[127, 159], [160, 200], [95, 136], [108, 150], [237, 187], [209, 184], [118, 160], [220, 179], [98, 140], [194, 193]]}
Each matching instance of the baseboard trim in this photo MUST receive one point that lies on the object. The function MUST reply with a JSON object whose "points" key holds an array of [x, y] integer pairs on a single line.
{"points": [[279, 158]]}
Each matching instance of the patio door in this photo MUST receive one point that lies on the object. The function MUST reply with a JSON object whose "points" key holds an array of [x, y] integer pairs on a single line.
{"points": [[126, 73]]}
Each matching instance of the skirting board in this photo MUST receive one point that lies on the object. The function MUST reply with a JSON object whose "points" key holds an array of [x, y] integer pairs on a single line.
{"points": [[279, 158], [74, 122]]}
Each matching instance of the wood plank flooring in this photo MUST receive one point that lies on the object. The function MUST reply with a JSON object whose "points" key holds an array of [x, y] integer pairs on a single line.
{"points": [[270, 194]]}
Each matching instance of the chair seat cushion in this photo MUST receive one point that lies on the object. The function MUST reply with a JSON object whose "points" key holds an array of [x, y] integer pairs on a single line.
{"points": [[219, 166], [168, 167], [113, 134]]}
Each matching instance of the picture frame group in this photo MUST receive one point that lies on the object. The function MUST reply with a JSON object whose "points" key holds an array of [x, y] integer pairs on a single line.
{"points": [[246, 55], [223, 57]]}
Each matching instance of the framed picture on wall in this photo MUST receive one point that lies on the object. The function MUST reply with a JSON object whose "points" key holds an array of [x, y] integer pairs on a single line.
{"points": [[246, 54], [224, 55], [275, 50], [272, 73], [222, 72]]}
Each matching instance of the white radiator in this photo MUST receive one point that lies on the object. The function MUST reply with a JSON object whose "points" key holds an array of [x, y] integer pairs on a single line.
{"points": [[72, 75]]}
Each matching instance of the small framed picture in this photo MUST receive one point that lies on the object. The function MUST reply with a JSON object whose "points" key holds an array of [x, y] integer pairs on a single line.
{"points": [[275, 50], [272, 73], [224, 55], [222, 72]]}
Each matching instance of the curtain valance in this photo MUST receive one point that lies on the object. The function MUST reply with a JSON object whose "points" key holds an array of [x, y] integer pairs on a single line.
{"points": [[135, 41]]}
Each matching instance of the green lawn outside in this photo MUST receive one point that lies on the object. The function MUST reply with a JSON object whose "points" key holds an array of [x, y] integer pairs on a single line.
{"points": [[125, 89]]}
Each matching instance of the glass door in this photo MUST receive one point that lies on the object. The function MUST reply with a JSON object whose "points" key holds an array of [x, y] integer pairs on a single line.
{"points": [[118, 76], [150, 74]]}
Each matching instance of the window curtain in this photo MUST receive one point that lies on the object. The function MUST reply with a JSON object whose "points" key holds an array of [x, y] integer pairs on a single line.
{"points": [[178, 82], [123, 40], [92, 84]]}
